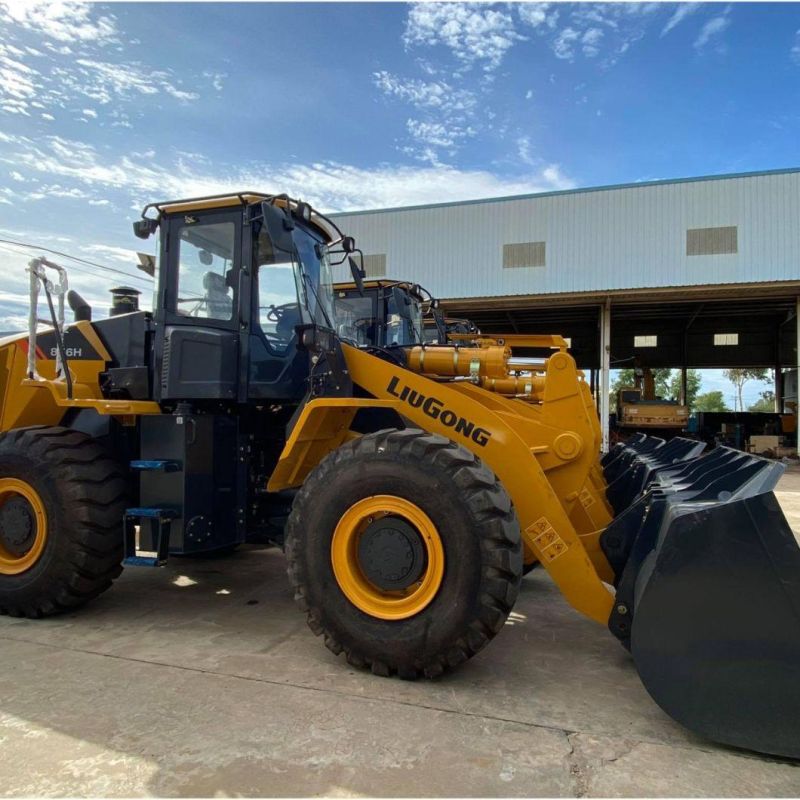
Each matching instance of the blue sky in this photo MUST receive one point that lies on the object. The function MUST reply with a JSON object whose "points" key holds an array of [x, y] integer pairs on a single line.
{"points": [[104, 107]]}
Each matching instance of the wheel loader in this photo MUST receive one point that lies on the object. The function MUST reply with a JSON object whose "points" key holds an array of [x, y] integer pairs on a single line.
{"points": [[192, 428]]}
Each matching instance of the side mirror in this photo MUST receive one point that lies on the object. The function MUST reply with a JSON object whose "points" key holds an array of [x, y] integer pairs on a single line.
{"points": [[147, 263], [441, 325], [280, 233], [143, 228], [402, 302], [358, 275], [348, 244]]}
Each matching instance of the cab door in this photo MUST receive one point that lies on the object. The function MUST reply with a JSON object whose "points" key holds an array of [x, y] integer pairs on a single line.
{"points": [[197, 348]]}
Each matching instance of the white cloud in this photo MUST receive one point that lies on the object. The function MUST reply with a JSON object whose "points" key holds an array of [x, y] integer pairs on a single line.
{"points": [[795, 51], [89, 112], [216, 78], [608, 29], [329, 185], [473, 32], [712, 30], [17, 81], [590, 41], [556, 178], [123, 255], [434, 95], [56, 190], [103, 81], [538, 14], [62, 20], [524, 150], [58, 76], [448, 113], [564, 44], [436, 134], [529, 94], [683, 10]]}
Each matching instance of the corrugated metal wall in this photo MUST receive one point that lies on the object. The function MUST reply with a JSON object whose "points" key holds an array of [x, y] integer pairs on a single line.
{"points": [[596, 240]]}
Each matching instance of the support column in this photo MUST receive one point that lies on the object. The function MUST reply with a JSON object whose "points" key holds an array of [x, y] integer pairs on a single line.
{"points": [[778, 366], [797, 361], [605, 368], [684, 384]]}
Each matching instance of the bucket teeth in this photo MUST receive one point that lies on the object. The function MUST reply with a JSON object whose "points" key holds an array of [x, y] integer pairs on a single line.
{"points": [[707, 573]]}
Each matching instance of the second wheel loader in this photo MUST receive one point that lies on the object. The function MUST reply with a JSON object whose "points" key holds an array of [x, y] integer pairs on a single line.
{"points": [[194, 427]]}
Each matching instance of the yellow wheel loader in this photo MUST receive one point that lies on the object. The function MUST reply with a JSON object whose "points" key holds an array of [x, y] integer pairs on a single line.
{"points": [[233, 405]]}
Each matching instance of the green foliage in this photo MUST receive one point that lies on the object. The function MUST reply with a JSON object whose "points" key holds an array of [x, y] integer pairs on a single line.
{"points": [[710, 401], [668, 384], [765, 403], [661, 376], [739, 377], [693, 382]]}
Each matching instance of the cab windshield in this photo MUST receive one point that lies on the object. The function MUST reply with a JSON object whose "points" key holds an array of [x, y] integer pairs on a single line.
{"points": [[401, 330], [315, 281], [292, 288]]}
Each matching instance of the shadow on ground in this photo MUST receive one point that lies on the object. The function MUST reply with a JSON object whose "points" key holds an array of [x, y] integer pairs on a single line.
{"points": [[202, 679]]}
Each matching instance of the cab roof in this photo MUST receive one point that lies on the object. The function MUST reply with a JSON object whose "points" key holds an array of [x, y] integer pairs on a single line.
{"points": [[328, 228]]}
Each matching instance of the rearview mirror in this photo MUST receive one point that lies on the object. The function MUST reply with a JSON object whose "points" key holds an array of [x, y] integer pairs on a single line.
{"points": [[402, 302], [358, 275], [279, 227]]}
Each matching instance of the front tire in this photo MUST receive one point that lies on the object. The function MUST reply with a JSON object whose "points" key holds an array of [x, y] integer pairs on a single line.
{"points": [[405, 553], [62, 498]]}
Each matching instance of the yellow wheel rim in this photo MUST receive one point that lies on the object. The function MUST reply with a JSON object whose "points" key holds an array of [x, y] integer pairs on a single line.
{"points": [[12, 563], [359, 590]]}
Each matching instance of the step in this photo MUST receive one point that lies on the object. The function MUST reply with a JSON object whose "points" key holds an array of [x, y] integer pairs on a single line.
{"points": [[159, 520], [153, 513], [142, 561], [156, 465]]}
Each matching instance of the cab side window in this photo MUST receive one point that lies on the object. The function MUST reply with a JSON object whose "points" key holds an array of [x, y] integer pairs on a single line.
{"points": [[276, 296], [206, 270]]}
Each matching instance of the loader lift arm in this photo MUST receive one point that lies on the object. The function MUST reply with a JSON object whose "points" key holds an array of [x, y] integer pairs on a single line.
{"points": [[442, 408]]}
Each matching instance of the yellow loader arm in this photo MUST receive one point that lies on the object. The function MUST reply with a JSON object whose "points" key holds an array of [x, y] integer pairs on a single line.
{"points": [[544, 457]]}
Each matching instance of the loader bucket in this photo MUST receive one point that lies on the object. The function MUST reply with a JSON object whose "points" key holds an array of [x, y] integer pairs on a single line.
{"points": [[644, 470], [708, 600]]}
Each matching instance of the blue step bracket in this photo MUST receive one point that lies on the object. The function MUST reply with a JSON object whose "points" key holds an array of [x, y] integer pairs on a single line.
{"points": [[159, 520], [156, 465]]}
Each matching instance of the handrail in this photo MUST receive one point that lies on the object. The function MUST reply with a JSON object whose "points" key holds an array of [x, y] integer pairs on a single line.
{"points": [[37, 267]]}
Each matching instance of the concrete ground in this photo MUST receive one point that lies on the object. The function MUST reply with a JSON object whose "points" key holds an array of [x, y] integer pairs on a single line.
{"points": [[202, 679]]}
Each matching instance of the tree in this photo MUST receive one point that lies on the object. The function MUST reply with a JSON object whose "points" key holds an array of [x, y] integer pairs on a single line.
{"points": [[693, 381], [626, 378], [739, 377], [661, 376], [765, 403], [710, 401]]}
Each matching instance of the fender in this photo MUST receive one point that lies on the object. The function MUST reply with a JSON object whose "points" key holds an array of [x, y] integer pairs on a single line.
{"points": [[546, 527]]}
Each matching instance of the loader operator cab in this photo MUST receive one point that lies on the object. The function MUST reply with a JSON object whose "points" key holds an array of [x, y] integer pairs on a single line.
{"points": [[382, 313], [244, 296]]}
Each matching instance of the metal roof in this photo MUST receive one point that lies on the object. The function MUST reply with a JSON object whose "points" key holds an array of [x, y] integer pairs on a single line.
{"points": [[733, 229], [583, 190]]}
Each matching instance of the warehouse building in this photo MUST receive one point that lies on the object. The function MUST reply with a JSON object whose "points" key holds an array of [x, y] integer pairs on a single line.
{"points": [[690, 273]]}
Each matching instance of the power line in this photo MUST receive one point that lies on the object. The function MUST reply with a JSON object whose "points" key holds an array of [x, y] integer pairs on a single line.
{"points": [[82, 270], [29, 246]]}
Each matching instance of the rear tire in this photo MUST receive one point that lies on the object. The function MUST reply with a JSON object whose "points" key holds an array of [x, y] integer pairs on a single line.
{"points": [[474, 522], [82, 493]]}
